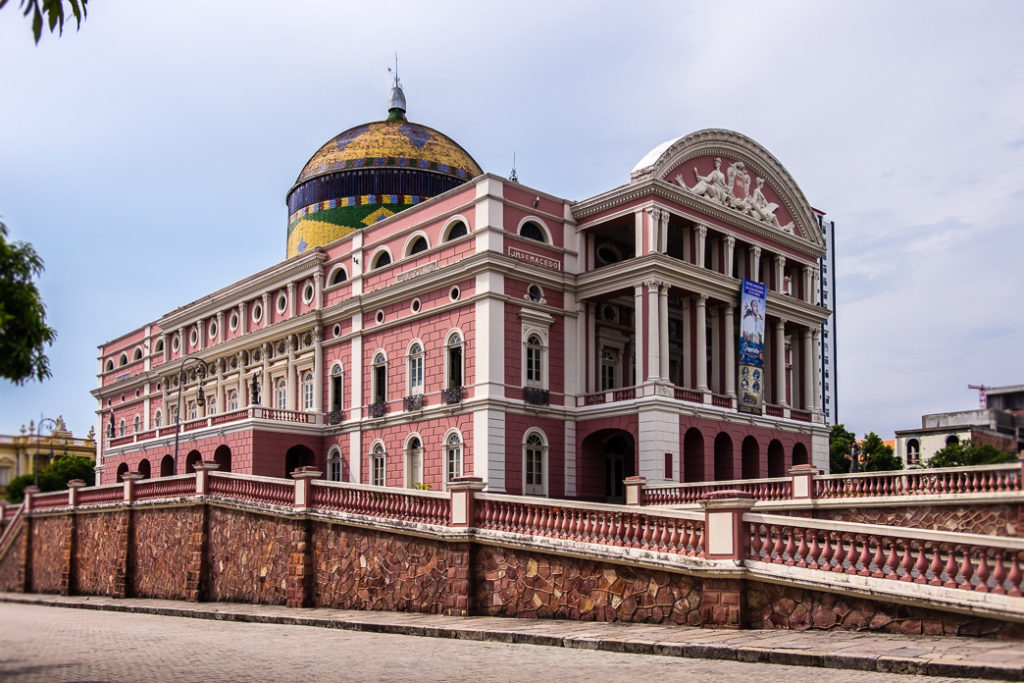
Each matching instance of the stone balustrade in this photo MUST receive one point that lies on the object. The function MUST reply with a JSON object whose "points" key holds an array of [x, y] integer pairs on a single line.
{"points": [[427, 507], [779, 488], [247, 487]]}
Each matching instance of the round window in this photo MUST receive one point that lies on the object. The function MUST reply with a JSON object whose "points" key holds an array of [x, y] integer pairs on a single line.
{"points": [[213, 329], [534, 293], [193, 337], [257, 313], [415, 306], [307, 294], [380, 317], [175, 343], [454, 294], [282, 302], [233, 322], [337, 330]]}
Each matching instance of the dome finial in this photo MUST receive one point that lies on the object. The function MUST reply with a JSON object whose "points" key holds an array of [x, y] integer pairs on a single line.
{"points": [[396, 103]]}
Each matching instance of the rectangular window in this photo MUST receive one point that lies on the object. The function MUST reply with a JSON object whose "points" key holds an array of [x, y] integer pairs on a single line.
{"points": [[307, 393], [334, 469], [380, 378], [336, 392], [378, 470], [416, 375], [454, 367]]}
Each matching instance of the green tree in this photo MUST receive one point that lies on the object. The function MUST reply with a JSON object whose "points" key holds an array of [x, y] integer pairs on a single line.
{"points": [[53, 477], [967, 453], [53, 11], [839, 440], [879, 457], [24, 333]]}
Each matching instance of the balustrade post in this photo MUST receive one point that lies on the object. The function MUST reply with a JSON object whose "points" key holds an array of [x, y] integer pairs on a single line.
{"points": [[73, 487], [304, 477], [725, 536], [803, 481], [635, 490], [129, 485], [30, 491], [462, 492], [203, 469]]}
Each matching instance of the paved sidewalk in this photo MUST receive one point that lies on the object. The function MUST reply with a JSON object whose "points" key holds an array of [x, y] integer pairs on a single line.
{"points": [[920, 655]]}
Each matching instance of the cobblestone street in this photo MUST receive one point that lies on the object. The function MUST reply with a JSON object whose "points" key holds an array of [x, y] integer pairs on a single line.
{"points": [[40, 643]]}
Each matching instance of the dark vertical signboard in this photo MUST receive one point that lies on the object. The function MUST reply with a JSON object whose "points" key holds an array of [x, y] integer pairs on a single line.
{"points": [[750, 378]]}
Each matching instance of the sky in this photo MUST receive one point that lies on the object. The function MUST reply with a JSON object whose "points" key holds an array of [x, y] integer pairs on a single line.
{"points": [[146, 156]]}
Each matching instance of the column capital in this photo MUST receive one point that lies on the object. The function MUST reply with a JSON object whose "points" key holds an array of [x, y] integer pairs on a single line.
{"points": [[701, 299], [654, 212], [730, 241], [756, 251], [318, 333], [779, 258], [653, 285], [702, 230], [781, 322]]}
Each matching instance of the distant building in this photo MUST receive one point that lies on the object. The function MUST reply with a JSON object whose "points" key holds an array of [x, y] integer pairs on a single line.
{"points": [[433, 321], [30, 451], [1000, 424], [827, 350]]}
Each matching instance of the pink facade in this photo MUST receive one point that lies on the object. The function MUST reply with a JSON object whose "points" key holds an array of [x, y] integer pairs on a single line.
{"points": [[549, 347]]}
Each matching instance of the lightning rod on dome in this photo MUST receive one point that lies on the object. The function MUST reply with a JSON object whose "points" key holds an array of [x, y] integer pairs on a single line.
{"points": [[513, 176], [396, 102]]}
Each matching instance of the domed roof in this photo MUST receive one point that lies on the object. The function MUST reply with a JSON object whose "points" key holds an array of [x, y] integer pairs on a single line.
{"points": [[396, 143], [370, 172]]}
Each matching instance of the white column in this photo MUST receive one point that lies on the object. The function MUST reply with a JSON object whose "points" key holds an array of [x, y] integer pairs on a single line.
{"points": [[318, 370], [701, 341], [241, 380], [730, 352], [808, 283], [267, 392], [167, 346], [638, 334], [653, 333], [592, 311], [780, 361], [663, 331], [638, 225], [200, 335], [714, 317], [806, 370], [730, 247], [355, 373], [653, 219], [816, 369], [663, 232], [780, 273], [754, 254], [243, 318], [266, 310], [702, 236], [219, 384], [815, 285], [220, 326], [687, 328], [290, 374]]}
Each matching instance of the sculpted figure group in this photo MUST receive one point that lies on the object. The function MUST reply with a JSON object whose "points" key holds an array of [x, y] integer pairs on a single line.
{"points": [[732, 189]]}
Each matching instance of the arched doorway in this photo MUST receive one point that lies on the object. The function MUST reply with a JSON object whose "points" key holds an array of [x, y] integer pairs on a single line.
{"points": [[693, 455], [144, 469], [167, 466], [776, 459], [723, 457], [800, 455], [122, 470], [751, 458], [413, 462], [222, 456], [191, 460], [296, 457], [609, 456]]}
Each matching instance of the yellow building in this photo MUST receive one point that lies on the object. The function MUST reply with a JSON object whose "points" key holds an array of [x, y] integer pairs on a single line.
{"points": [[32, 449]]}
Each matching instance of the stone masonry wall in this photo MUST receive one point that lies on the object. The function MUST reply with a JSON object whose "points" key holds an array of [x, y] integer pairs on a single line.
{"points": [[100, 547], [248, 557], [363, 569], [161, 551], [47, 553], [516, 583], [771, 606], [11, 578]]}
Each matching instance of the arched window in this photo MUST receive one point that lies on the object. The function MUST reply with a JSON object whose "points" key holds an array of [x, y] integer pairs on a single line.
{"points": [[413, 462], [233, 400], [307, 391], [157, 419], [415, 369], [137, 425], [193, 410], [609, 365], [952, 439], [383, 258], [457, 230], [211, 406], [123, 360], [453, 456], [913, 452], [109, 366], [533, 231], [159, 346], [282, 394], [122, 470], [377, 459], [534, 360], [338, 276], [334, 465], [336, 387], [380, 378], [137, 355], [122, 428], [454, 360], [144, 468], [418, 244], [534, 465]]}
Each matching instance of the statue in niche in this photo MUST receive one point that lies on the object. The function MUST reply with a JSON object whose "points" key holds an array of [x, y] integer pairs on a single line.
{"points": [[711, 186]]}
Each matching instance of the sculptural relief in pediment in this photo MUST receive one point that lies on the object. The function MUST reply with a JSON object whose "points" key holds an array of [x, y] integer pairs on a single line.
{"points": [[733, 185]]}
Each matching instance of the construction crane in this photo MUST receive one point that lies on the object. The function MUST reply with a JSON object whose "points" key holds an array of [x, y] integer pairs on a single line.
{"points": [[982, 400]]}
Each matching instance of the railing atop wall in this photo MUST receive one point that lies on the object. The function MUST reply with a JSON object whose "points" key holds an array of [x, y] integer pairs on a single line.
{"points": [[164, 487], [780, 488], [982, 564], [979, 479], [612, 525], [250, 413], [941, 481], [252, 488], [50, 500], [109, 493], [429, 507]]}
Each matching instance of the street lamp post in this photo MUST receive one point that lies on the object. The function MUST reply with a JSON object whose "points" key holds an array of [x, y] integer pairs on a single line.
{"points": [[39, 436], [202, 370]]}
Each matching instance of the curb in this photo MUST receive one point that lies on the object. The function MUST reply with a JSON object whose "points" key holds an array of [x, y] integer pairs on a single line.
{"points": [[621, 643]]}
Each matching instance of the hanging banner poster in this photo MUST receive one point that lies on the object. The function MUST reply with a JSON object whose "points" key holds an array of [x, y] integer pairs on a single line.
{"points": [[750, 378]]}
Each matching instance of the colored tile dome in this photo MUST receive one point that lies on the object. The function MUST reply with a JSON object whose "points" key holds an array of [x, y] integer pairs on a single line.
{"points": [[370, 172]]}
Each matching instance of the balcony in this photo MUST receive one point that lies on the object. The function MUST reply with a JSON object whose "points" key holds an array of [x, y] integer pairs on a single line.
{"points": [[378, 409], [451, 395], [412, 403], [536, 397], [199, 424]]}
